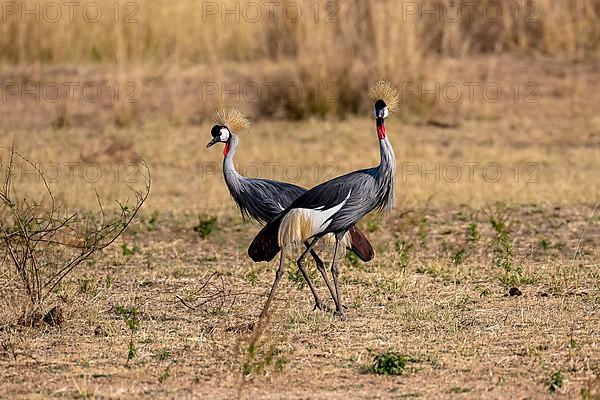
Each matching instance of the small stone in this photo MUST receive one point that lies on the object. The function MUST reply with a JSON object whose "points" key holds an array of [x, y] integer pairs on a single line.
{"points": [[99, 331], [514, 291]]}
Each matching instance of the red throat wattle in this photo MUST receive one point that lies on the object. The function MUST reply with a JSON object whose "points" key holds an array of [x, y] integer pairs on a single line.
{"points": [[381, 131], [226, 149]]}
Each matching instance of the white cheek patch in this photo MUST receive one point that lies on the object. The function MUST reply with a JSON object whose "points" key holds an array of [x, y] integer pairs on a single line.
{"points": [[385, 113], [224, 135]]}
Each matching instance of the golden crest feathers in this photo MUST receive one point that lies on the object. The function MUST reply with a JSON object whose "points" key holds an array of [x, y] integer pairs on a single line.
{"points": [[232, 118], [384, 90]]}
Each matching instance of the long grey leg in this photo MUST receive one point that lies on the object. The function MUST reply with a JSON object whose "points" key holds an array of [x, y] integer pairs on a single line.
{"points": [[307, 278], [321, 269], [335, 273], [278, 275]]}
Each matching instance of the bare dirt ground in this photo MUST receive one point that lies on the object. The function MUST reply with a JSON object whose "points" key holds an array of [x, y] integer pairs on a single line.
{"points": [[437, 291]]}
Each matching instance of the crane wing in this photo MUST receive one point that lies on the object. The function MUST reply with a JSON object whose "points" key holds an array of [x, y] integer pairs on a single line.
{"points": [[263, 200]]}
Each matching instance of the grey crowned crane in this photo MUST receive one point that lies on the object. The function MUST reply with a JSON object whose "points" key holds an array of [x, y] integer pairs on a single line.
{"points": [[263, 199], [334, 206]]}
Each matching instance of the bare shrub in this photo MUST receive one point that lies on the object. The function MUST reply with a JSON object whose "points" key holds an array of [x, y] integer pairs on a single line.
{"points": [[44, 241]]}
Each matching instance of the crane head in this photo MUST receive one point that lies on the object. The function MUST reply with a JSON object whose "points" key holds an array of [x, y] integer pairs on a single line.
{"points": [[381, 111], [386, 98], [220, 133]]}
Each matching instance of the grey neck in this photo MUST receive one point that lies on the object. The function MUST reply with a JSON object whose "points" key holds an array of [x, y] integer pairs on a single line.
{"points": [[386, 173], [232, 177]]}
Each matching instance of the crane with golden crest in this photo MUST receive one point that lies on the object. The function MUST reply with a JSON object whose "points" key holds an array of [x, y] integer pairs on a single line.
{"points": [[335, 206]]}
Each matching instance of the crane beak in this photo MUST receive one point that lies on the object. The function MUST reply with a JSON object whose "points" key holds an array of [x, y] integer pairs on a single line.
{"points": [[213, 141]]}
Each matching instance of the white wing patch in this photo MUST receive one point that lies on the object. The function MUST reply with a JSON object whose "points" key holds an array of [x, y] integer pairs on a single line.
{"points": [[302, 223], [322, 218]]}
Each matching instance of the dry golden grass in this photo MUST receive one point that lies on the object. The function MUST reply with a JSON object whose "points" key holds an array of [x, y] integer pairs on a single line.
{"points": [[346, 44], [455, 321], [384, 34], [552, 142], [436, 292]]}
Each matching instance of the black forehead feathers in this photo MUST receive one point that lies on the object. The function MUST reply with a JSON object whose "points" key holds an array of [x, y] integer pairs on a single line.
{"points": [[380, 104], [216, 130]]}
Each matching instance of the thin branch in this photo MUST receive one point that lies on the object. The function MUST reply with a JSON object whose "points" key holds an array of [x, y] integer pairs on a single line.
{"points": [[185, 303], [584, 231], [29, 227]]}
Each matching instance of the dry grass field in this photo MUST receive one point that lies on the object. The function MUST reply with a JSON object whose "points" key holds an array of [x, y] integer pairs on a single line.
{"points": [[486, 280]]}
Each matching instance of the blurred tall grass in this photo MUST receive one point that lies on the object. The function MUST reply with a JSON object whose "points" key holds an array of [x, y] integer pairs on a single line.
{"points": [[385, 34], [348, 43]]}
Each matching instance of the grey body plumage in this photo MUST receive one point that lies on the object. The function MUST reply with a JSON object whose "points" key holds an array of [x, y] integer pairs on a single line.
{"points": [[361, 192], [258, 199]]}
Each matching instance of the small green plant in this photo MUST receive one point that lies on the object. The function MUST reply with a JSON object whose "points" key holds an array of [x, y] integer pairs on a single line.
{"points": [[280, 364], [252, 277], [133, 323], [403, 248], [131, 316], [206, 226], [352, 259], [556, 381], [257, 363], [125, 312], [459, 256], [129, 251], [503, 250], [88, 286], [372, 223], [590, 390], [165, 374], [258, 353], [152, 223], [445, 246], [423, 232], [503, 254], [164, 355], [295, 276], [472, 232], [389, 363], [545, 244], [131, 351]]}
